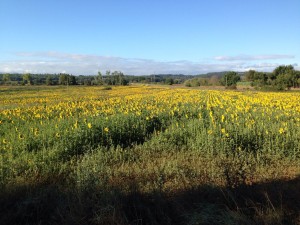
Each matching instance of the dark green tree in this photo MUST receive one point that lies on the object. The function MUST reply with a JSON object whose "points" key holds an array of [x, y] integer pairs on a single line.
{"points": [[48, 80], [27, 78], [297, 79], [169, 81], [63, 79], [108, 78], [260, 79], [284, 77], [230, 79], [282, 70], [99, 79], [6, 78], [250, 75], [87, 82], [283, 81], [71, 80]]}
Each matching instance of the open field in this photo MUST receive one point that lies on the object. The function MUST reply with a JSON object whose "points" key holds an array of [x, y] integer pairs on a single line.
{"points": [[148, 155]]}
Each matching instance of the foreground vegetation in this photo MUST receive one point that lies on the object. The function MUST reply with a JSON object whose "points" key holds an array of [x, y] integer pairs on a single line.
{"points": [[148, 155]]}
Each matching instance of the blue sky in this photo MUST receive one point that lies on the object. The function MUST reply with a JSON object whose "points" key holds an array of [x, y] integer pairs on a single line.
{"points": [[145, 37]]}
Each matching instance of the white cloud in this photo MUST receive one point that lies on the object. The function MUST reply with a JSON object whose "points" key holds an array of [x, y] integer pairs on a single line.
{"points": [[253, 57], [57, 62]]}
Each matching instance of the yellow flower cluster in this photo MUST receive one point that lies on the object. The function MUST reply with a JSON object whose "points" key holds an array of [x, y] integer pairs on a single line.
{"points": [[222, 109]]}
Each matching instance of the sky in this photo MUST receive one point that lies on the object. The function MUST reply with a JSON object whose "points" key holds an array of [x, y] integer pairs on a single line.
{"points": [[141, 37]]}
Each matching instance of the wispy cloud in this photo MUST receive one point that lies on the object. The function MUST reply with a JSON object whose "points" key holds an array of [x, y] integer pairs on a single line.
{"points": [[57, 62], [253, 57]]}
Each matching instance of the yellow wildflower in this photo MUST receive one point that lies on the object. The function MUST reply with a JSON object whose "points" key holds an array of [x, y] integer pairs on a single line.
{"points": [[222, 118], [281, 130]]}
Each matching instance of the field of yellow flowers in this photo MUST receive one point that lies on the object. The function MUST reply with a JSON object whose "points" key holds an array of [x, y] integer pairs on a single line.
{"points": [[76, 120], [152, 137]]}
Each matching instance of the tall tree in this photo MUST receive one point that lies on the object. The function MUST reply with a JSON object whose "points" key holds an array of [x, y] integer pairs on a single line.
{"points": [[283, 70], [48, 80], [71, 80], [285, 77], [108, 79], [99, 79], [27, 78], [230, 78], [250, 75], [6, 78], [63, 79]]}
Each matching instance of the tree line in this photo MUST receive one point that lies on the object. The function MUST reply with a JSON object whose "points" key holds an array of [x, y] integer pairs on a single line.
{"points": [[228, 79], [109, 78], [281, 78]]}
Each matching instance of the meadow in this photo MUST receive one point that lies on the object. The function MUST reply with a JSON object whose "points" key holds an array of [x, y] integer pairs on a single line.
{"points": [[148, 155]]}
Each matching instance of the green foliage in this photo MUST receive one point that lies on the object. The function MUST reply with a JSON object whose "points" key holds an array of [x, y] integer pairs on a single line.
{"points": [[67, 79], [285, 77], [27, 79], [114, 78], [99, 79], [257, 78], [169, 81], [282, 78], [283, 70], [230, 79], [6, 78], [49, 80]]}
